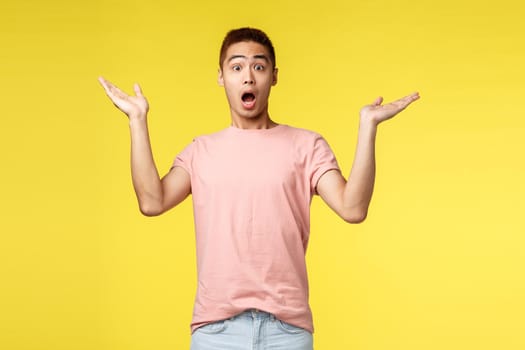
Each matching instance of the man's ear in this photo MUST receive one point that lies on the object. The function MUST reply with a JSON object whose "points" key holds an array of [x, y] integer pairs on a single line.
{"points": [[275, 71], [220, 79]]}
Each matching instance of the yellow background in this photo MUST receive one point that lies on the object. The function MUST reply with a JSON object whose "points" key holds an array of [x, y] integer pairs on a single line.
{"points": [[439, 263]]}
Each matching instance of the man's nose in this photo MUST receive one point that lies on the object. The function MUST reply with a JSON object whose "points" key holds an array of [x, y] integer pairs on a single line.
{"points": [[248, 79]]}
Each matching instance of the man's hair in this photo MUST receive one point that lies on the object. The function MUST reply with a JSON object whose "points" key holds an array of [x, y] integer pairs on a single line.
{"points": [[246, 34]]}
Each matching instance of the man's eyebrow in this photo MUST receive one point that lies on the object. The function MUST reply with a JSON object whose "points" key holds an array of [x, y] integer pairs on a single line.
{"points": [[235, 56], [261, 56]]}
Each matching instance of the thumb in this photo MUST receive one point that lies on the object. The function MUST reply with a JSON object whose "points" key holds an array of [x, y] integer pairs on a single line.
{"points": [[137, 89], [378, 101]]}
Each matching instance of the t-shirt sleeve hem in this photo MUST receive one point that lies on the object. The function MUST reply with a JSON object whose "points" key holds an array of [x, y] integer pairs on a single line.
{"points": [[319, 173], [181, 165]]}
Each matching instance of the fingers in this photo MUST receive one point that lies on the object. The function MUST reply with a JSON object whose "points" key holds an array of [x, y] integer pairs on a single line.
{"points": [[104, 84], [112, 90], [403, 102], [411, 98]]}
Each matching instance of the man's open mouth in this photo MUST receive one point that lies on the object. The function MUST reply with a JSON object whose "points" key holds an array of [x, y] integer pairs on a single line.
{"points": [[248, 100], [248, 97]]}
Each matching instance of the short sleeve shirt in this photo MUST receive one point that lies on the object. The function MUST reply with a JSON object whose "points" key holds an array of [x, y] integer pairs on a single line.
{"points": [[251, 192]]}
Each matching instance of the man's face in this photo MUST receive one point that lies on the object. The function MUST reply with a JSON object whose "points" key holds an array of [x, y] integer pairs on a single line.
{"points": [[247, 75]]}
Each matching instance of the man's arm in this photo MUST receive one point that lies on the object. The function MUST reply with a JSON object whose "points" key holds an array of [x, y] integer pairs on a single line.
{"points": [[350, 200], [155, 196]]}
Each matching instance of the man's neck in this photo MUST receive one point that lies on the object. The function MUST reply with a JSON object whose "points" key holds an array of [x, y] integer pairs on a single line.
{"points": [[255, 123]]}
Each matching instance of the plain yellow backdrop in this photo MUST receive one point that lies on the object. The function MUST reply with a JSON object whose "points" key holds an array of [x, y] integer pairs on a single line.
{"points": [[439, 263]]}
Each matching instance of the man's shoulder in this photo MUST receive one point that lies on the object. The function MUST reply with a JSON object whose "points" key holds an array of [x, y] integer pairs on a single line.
{"points": [[302, 132], [211, 136]]}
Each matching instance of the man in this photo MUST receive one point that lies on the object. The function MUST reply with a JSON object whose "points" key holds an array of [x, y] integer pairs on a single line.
{"points": [[252, 184]]}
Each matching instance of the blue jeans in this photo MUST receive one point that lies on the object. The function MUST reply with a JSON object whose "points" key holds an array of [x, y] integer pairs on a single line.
{"points": [[251, 330]]}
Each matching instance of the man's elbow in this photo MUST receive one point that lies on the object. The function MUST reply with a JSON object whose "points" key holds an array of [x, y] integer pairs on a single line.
{"points": [[355, 216], [150, 210]]}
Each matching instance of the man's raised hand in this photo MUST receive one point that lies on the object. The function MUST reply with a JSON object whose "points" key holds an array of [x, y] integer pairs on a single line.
{"points": [[377, 113], [133, 106]]}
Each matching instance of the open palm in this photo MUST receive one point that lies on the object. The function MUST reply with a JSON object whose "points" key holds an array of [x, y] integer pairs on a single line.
{"points": [[132, 106], [377, 113]]}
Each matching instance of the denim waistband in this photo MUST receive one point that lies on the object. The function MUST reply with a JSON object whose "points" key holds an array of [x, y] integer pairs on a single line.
{"points": [[254, 314]]}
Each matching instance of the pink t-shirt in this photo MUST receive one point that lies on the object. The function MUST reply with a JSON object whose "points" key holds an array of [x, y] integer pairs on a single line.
{"points": [[251, 194]]}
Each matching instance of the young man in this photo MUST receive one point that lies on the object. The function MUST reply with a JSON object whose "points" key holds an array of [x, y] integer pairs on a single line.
{"points": [[252, 184]]}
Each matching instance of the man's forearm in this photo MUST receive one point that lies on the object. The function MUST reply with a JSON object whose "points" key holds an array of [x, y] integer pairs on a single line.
{"points": [[360, 185], [350, 199], [146, 180]]}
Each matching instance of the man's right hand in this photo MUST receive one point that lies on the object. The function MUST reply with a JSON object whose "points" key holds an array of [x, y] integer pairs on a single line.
{"points": [[133, 106]]}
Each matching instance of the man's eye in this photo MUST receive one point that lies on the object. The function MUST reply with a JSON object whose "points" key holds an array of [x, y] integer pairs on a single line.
{"points": [[259, 67], [236, 68]]}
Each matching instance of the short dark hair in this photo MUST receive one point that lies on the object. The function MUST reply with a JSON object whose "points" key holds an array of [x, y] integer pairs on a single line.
{"points": [[246, 34]]}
